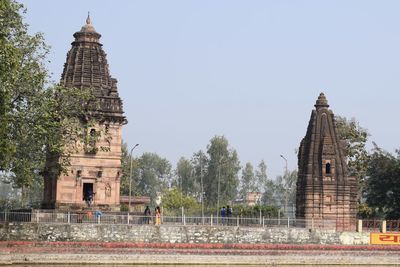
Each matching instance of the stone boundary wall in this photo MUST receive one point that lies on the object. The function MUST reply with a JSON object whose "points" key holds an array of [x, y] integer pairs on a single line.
{"points": [[176, 234]]}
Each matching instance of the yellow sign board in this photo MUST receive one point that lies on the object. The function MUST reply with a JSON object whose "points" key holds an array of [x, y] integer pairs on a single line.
{"points": [[384, 239]]}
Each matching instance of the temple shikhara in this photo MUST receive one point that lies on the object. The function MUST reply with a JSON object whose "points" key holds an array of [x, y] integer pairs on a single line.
{"points": [[93, 178], [326, 197]]}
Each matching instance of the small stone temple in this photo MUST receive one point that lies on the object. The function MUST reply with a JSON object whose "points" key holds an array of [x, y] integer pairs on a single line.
{"points": [[93, 178], [326, 197]]}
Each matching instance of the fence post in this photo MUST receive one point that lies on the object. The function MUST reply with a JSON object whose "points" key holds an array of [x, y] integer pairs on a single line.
{"points": [[211, 220], [37, 216], [263, 222], [128, 218], [98, 219], [5, 216], [184, 219], [260, 215], [359, 226], [69, 217], [383, 230], [288, 222], [279, 217], [237, 220]]}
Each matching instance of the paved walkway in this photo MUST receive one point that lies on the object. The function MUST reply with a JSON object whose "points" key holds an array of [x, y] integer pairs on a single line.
{"points": [[78, 253]]}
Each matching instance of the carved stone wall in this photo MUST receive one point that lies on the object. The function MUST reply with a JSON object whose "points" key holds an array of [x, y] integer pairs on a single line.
{"points": [[96, 169], [324, 191]]}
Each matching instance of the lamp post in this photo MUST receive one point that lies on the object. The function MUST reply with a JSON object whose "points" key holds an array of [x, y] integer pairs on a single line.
{"points": [[130, 178], [182, 197], [219, 178], [286, 173], [285, 163], [202, 191]]}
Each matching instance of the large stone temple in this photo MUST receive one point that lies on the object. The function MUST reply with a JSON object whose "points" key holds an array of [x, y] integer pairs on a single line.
{"points": [[93, 178], [326, 196]]}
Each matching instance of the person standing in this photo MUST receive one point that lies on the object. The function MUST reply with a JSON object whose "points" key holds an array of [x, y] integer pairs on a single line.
{"points": [[158, 215], [98, 214], [229, 214], [147, 214], [223, 214]]}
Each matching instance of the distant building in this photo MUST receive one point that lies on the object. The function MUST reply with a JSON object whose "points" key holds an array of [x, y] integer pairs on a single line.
{"points": [[326, 196], [93, 177], [253, 198], [138, 203]]}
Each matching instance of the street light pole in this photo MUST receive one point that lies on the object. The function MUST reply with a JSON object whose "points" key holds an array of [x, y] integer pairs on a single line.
{"points": [[182, 197], [285, 163], [202, 191], [130, 178], [286, 173], [219, 178]]}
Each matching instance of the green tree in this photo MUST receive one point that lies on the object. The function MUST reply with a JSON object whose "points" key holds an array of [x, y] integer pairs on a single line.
{"points": [[221, 179], [254, 211], [186, 179], [125, 166], [285, 188], [269, 196], [247, 181], [357, 154], [200, 165], [261, 182], [21, 72], [36, 120], [382, 190], [10, 198], [174, 199], [151, 175], [266, 186], [22, 78]]}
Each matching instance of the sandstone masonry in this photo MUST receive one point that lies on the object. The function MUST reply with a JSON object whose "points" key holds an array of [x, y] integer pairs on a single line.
{"points": [[177, 234], [94, 173], [325, 192]]}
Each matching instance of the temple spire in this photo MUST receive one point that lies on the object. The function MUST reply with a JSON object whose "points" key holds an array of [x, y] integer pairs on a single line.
{"points": [[324, 191]]}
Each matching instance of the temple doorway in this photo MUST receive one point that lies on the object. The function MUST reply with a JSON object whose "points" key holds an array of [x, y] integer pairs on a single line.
{"points": [[88, 193]]}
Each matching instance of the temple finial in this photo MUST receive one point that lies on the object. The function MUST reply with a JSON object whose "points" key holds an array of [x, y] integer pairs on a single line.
{"points": [[322, 102], [88, 21], [88, 27]]}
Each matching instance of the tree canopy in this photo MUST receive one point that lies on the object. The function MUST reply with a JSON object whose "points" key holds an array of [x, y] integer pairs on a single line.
{"points": [[22, 79], [247, 181], [151, 174], [185, 177], [356, 138], [382, 190], [36, 117], [221, 180]]}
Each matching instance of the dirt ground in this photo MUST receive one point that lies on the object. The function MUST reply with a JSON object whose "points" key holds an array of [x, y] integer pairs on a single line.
{"points": [[65, 254], [287, 259]]}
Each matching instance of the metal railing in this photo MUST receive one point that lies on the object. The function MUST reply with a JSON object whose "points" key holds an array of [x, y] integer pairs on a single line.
{"points": [[393, 226], [377, 225], [126, 218], [371, 225]]}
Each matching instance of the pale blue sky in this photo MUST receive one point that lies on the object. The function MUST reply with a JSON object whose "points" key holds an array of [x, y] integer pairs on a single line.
{"points": [[249, 70]]}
